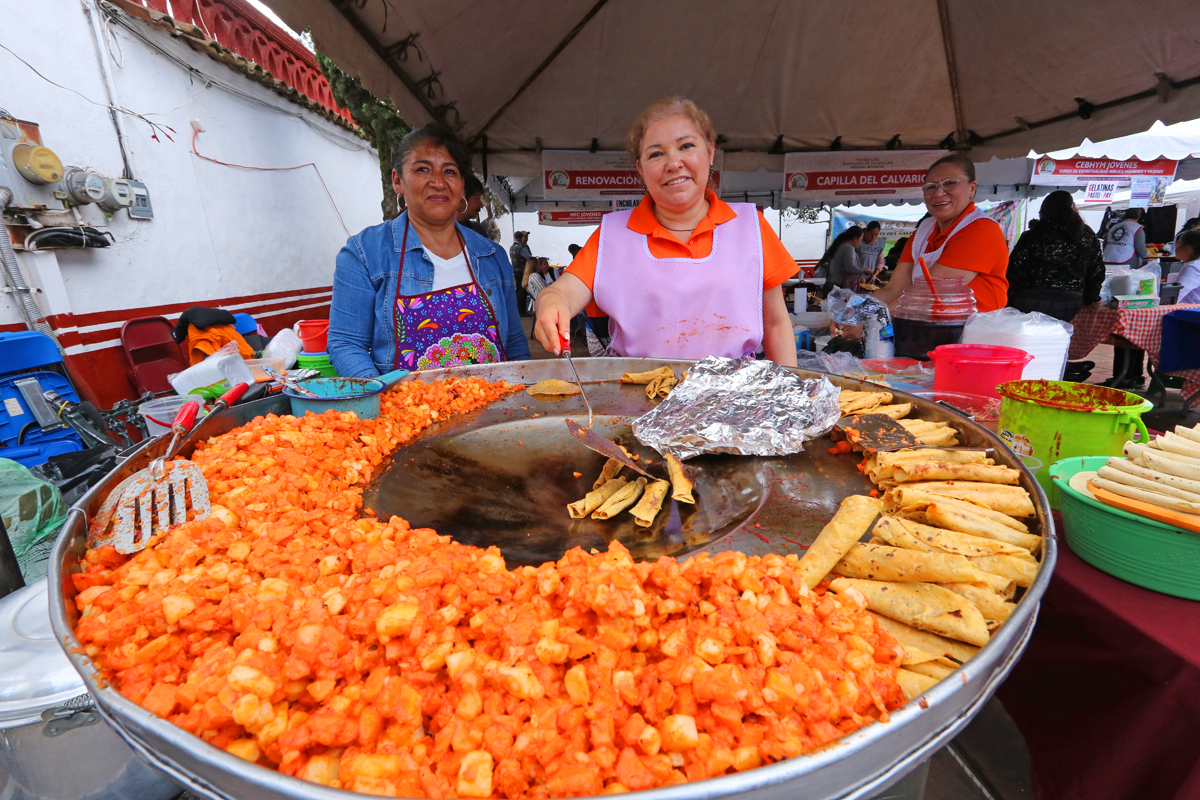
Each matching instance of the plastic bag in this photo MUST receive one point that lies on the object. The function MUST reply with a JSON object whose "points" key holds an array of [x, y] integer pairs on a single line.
{"points": [[213, 376], [1125, 281], [31, 509], [869, 321], [1045, 338], [285, 344]]}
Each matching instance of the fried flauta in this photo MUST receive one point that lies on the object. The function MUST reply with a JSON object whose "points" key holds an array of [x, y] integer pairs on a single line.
{"points": [[553, 388], [859, 402], [595, 498], [610, 470], [681, 487], [646, 377], [651, 503], [886, 563], [925, 606], [909, 636], [661, 386], [913, 684], [853, 518], [622, 499], [991, 605]]}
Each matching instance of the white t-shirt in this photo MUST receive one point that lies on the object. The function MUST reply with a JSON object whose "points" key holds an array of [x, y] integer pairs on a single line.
{"points": [[1189, 276], [449, 272]]}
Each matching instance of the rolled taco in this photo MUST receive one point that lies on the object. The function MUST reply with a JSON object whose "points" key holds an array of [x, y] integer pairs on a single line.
{"points": [[651, 503], [955, 518], [881, 465], [594, 499], [1164, 478], [924, 606], [1133, 450], [961, 544], [908, 498], [853, 518], [622, 499], [646, 377], [990, 604], [1011, 500], [681, 487], [851, 402], [1002, 586], [1020, 571], [885, 563], [939, 471], [1137, 482], [1179, 445], [931, 669], [1161, 462], [913, 684], [1152, 497], [909, 636], [1189, 433]]}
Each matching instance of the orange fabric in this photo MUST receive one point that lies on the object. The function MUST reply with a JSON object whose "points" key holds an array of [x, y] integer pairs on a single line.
{"points": [[778, 264], [980, 248], [203, 343]]}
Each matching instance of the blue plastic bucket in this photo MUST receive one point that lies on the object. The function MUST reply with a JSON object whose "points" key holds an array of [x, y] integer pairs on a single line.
{"points": [[360, 395]]}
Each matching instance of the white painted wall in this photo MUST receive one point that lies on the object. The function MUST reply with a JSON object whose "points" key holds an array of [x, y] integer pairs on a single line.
{"points": [[217, 231]]}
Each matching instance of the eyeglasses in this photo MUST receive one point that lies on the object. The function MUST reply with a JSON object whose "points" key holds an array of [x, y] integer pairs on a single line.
{"points": [[946, 185]]}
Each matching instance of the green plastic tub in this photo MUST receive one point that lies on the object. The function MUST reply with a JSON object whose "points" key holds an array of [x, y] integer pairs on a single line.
{"points": [[320, 362], [1053, 420], [1142, 551]]}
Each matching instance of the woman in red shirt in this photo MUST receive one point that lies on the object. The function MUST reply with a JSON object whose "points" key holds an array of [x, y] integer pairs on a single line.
{"points": [[957, 241]]}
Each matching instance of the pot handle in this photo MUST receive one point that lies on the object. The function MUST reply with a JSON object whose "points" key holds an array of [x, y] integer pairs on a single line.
{"points": [[390, 379], [1143, 434]]}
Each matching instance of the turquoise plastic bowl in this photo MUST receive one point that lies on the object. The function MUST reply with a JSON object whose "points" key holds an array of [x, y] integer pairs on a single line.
{"points": [[1142, 551]]}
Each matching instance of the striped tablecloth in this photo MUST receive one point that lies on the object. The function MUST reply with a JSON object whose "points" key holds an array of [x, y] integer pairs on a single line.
{"points": [[1140, 326]]}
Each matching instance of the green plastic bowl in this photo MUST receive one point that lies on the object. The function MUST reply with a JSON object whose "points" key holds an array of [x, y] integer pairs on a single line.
{"points": [[1145, 552]]}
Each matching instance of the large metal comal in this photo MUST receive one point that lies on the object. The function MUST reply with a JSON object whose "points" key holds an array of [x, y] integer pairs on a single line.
{"points": [[765, 505]]}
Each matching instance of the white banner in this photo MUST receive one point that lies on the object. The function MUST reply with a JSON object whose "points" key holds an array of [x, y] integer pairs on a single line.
{"points": [[850, 176], [580, 175], [1100, 191]]}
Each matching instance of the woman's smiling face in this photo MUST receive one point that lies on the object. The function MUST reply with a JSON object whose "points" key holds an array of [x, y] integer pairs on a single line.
{"points": [[946, 203], [674, 163]]}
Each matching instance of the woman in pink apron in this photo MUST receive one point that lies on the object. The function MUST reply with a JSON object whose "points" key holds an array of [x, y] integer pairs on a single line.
{"points": [[683, 275], [420, 291]]}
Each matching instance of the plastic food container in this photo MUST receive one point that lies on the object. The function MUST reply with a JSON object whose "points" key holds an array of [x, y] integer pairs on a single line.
{"points": [[812, 320], [160, 412], [984, 410], [976, 368], [314, 333], [1143, 551], [318, 361], [256, 367], [54, 744], [918, 328]]}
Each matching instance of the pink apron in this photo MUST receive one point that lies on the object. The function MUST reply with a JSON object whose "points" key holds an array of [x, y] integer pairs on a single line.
{"points": [[682, 307], [446, 328]]}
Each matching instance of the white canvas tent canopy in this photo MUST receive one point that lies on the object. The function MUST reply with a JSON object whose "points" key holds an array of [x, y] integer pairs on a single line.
{"points": [[998, 78], [1179, 142]]}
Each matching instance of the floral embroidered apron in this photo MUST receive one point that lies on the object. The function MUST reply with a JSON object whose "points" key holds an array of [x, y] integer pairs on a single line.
{"points": [[447, 328]]}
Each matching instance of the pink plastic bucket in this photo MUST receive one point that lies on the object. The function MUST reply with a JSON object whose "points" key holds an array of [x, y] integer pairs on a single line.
{"points": [[976, 368]]}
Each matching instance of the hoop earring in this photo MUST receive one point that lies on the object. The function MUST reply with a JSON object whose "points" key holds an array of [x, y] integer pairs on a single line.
{"points": [[466, 205]]}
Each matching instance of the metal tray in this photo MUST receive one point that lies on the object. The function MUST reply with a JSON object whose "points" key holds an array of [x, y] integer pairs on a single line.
{"points": [[778, 505]]}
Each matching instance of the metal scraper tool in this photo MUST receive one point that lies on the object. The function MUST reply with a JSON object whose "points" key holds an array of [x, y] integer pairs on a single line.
{"points": [[877, 433], [594, 441]]}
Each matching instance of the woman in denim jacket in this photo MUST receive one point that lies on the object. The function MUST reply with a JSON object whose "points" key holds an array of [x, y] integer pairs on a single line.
{"points": [[421, 291]]}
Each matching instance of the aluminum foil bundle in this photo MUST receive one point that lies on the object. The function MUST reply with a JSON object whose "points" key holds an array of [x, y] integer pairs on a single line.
{"points": [[740, 406]]}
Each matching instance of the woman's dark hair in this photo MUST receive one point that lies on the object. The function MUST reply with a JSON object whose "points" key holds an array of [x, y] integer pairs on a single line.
{"points": [[438, 136], [1194, 222], [472, 186], [1059, 209], [1190, 239], [957, 159], [1135, 214], [848, 235]]}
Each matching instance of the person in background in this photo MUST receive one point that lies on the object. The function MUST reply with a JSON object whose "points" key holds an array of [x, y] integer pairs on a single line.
{"points": [[870, 250], [957, 241], [469, 216], [1187, 250], [671, 286], [538, 276], [1125, 242], [1057, 267], [1194, 222], [841, 261], [420, 291], [518, 254], [893, 256]]}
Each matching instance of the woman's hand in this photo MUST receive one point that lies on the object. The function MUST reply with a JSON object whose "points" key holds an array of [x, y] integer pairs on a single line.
{"points": [[554, 308]]}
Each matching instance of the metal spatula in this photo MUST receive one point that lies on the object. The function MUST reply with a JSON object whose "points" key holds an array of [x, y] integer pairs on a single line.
{"points": [[165, 493], [564, 345]]}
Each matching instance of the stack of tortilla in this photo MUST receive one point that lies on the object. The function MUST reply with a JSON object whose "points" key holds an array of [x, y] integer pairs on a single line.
{"points": [[941, 571], [939, 434], [1164, 473], [611, 494]]}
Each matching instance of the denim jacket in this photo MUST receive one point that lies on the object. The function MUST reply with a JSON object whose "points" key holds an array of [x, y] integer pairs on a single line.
{"points": [[362, 330]]}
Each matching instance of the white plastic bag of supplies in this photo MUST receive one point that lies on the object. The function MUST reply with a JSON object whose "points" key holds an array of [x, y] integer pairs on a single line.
{"points": [[1045, 338]]}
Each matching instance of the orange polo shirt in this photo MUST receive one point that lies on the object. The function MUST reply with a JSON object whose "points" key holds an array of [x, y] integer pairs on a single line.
{"points": [[778, 264], [980, 248]]}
